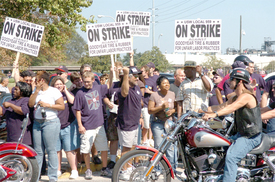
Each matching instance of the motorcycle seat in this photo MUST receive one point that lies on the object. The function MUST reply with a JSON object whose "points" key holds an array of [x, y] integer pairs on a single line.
{"points": [[268, 141]]}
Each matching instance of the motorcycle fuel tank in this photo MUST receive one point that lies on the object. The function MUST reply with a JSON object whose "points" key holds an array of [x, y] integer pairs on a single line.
{"points": [[204, 137]]}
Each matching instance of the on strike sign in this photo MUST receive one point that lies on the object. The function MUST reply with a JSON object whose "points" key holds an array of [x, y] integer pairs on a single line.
{"points": [[198, 35], [22, 36], [139, 21], [109, 38]]}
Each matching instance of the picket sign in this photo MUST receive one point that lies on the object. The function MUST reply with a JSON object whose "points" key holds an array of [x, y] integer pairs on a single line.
{"points": [[21, 36], [139, 21], [200, 35]]}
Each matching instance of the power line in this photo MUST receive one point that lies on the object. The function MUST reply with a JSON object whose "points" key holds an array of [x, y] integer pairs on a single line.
{"points": [[143, 5], [194, 13], [173, 6], [164, 3], [186, 9]]}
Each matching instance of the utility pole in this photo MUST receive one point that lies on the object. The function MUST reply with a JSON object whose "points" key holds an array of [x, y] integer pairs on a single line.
{"points": [[241, 35], [153, 23]]}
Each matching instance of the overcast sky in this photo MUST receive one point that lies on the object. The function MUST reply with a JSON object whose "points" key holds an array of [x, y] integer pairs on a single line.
{"points": [[258, 19]]}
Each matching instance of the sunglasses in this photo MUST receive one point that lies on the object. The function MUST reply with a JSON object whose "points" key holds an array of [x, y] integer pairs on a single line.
{"points": [[59, 73], [28, 81], [136, 76]]}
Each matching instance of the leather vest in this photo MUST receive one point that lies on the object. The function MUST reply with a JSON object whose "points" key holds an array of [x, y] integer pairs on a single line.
{"points": [[248, 121]]}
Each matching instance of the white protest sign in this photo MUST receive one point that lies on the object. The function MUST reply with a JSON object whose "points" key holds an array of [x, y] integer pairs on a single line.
{"points": [[21, 36], [139, 21], [109, 38], [198, 35]]}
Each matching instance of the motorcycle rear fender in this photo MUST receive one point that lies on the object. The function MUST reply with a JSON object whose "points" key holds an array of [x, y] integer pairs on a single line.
{"points": [[269, 152], [9, 149], [139, 147]]}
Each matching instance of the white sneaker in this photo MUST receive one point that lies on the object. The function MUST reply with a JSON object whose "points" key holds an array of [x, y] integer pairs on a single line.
{"points": [[146, 143], [183, 176], [151, 143], [74, 174], [124, 175], [59, 173]]}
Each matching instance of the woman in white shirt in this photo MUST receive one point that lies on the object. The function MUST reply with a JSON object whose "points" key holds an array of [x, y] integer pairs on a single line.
{"points": [[47, 101]]}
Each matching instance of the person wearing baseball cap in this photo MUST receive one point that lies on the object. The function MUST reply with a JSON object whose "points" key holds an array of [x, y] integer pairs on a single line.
{"points": [[152, 68], [218, 76], [129, 112], [62, 71], [193, 89]]}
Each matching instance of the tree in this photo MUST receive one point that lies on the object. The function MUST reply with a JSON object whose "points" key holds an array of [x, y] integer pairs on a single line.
{"points": [[270, 67], [213, 61], [156, 57], [126, 58], [59, 19], [75, 48], [98, 63]]}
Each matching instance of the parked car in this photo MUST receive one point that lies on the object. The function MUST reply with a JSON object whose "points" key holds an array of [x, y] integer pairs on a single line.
{"points": [[170, 77], [270, 76]]}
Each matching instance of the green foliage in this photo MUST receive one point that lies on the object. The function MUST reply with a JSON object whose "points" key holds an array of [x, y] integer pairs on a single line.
{"points": [[56, 16], [59, 19], [213, 61], [75, 47], [98, 63], [155, 56], [270, 67], [126, 58]]}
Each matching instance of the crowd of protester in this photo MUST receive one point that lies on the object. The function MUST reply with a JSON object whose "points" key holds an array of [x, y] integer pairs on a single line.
{"points": [[85, 114]]}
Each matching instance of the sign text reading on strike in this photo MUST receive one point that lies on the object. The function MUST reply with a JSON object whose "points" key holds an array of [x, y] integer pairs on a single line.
{"points": [[198, 30], [111, 33], [134, 19], [22, 31]]}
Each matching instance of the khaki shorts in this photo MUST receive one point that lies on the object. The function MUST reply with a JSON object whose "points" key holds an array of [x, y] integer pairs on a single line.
{"points": [[146, 118], [127, 138], [97, 136]]}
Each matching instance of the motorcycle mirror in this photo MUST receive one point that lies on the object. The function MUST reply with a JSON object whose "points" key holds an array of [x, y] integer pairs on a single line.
{"points": [[204, 107]]}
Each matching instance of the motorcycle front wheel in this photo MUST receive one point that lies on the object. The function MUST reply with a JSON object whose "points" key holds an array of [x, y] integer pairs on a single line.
{"points": [[132, 166], [26, 168]]}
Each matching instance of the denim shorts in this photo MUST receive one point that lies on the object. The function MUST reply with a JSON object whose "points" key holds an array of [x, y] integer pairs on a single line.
{"points": [[69, 138]]}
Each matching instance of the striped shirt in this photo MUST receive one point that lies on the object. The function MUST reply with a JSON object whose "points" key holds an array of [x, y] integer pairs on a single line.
{"points": [[193, 93]]}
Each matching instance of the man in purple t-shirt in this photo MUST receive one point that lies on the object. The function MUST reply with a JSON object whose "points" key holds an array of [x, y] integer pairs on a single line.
{"points": [[89, 115], [218, 76], [260, 83], [129, 109], [150, 87], [152, 68]]}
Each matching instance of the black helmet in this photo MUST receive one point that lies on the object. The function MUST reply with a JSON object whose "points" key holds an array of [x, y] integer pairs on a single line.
{"points": [[241, 74], [243, 59]]}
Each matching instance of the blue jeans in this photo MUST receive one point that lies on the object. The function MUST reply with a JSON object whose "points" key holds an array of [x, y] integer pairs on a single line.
{"points": [[69, 138], [157, 128], [270, 125], [45, 136], [238, 150]]}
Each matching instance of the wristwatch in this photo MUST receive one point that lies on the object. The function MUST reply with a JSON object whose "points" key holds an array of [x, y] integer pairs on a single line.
{"points": [[202, 74], [216, 113]]}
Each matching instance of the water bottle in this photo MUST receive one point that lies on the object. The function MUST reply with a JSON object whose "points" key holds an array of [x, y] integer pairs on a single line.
{"points": [[43, 113], [166, 109]]}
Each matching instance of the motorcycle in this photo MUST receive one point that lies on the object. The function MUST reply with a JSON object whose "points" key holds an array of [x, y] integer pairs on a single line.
{"points": [[202, 151], [17, 160]]}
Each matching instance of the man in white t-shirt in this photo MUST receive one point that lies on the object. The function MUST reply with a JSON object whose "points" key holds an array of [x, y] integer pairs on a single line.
{"points": [[3, 85]]}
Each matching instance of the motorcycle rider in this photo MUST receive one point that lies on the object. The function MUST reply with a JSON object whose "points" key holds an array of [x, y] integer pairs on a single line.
{"points": [[247, 117]]}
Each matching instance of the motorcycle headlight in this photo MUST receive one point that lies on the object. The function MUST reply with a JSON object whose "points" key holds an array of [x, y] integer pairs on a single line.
{"points": [[169, 126]]}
